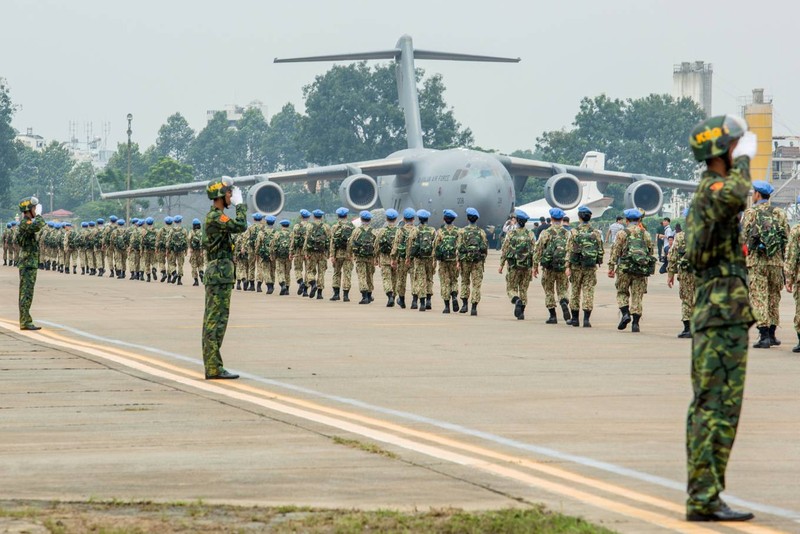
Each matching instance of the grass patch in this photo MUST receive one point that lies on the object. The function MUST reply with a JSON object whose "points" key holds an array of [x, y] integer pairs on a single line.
{"points": [[366, 447]]}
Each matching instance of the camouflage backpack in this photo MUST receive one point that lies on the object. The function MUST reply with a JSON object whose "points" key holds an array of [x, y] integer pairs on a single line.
{"points": [[386, 241], [341, 235], [403, 241], [586, 250], [682, 264], [554, 255], [636, 258], [422, 247], [520, 249], [149, 239], [767, 237], [282, 244], [472, 247], [364, 243], [317, 238], [446, 250], [299, 233], [263, 248]]}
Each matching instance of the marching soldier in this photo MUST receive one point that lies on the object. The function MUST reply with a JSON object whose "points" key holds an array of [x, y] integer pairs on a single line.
{"points": [[402, 269], [445, 245], [341, 259], [91, 248], [178, 245], [279, 251], [385, 238], [266, 264], [240, 261], [791, 271], [149, 239], [196, 255], [107, 247], [135, 238], [315, 248], [585, 250], [472, 249], [677, 263], [162, 237], [551, 253], [766, 232], [120, 248], [30, 225], [419, 248], [66, 245], [298, 241], [250, 260], [362, 247], [632, 256], [517, 252], [82, 248]]}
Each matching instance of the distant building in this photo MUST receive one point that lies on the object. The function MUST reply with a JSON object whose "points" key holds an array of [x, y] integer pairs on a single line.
{"points": [[693, 80], [31, 140], [235, 112], [757, 111]]}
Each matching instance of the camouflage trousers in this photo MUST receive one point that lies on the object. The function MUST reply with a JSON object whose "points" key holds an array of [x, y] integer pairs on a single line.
{"points": [[120, 259], [316, 265], [719, 361], [630, 291], [68, 258], [342, 271], [365, 270], [299, 267], [422, 279], [27, 283], [148, 261], [766, 282], [161, 260], [249, 267], [283, 270], [266, 271], [134, 261], [582, 283], [388, 273], [448, 279], [554, 283], [175, 261], [471, 280], [197, 262], [215, 323], [518, 280], [99, 255], [401, 278], [686, 293], [107, 260]]}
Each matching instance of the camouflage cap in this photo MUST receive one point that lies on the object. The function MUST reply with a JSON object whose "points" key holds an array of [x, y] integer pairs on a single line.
{"points": [[28, 204], [218, 188], [713, 137]]}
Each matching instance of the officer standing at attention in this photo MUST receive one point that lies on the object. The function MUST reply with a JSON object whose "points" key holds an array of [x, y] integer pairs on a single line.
{"points": [[766, 232], [677, 263], [28, 262], [585, 253], [632, 256], [791, 271], [472, 249], [315, 248], [445, 246], [219, 274], [341, 259], [517, 251], [362, 246], [398, 255], [551, 253], [419, 247], [385, 239], [722, 313]]}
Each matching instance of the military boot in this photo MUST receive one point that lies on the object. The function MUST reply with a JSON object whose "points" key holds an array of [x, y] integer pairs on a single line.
{"points": [[258, 288], [552, 319], [74, 269], [122, 275], [573, 321], [797, 347], [514, 299], [421, 304], [132, 276], [148, 277], [586, 315], [301, 286], [401, 301], [196, 281], [474, 310], [686, 332], [319, 294], [67, 271], [155, 273], [202, 274], [635, 325], [763, 338], [390, 302], [335, 294], [238, 284], [163, 276], [454, 299], [521, 316], [626, 318], [428, 302], [774, 341], [305, 291], [369, 296], [270, 288], [141, 276], [463, 305], [284, 289], [565, 308], [517, 308], [83, 270], [313, 291], [446, 307], [364, 298], [414, 302], [346, 296]]}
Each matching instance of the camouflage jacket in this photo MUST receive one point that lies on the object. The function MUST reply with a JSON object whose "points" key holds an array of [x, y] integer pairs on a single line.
{"points": [[620, 246], [791, 267], [26, 239], [676, 258], [748, 227], [218, 241]]}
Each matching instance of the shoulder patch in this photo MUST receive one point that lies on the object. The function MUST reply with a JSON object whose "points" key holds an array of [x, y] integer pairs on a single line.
{"points": [[30, 221], [716, 186], [224, 218]]}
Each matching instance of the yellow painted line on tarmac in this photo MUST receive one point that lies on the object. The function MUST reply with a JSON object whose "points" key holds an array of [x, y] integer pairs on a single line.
{"points": [[269, 400]]}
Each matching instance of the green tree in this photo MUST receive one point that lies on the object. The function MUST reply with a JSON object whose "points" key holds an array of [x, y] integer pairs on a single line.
{"points": [[78, 186], [174, 139], [212, 154], [43, 173], [118, 163], [8, 151], [250, 143], [167, 172], [283, 140]]}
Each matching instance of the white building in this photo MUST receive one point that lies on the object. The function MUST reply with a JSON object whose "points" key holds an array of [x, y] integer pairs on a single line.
{"points": [[693, 80], [31, 140]]}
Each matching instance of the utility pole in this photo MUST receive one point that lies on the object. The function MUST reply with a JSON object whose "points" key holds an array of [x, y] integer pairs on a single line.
{"points": [[128, 181]]}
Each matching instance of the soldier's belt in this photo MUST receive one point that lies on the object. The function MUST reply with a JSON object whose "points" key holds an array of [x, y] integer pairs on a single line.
{"points": [[722, 270]]}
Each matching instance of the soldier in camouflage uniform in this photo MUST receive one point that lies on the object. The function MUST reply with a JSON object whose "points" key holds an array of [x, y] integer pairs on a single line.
{"points": [[135, 238], [196, 254], [385, 239], [266, 264], [722, 313], [149, 238], [472, 249], [121, 238], [100, 248], [91, 248], [315, 248], [517, 252], [178, 245], [14, 243], [419, 248], [80, 242], [398, 254], [240, 260], [791, 270], [106, 247], [162, 236], [677, 263], [279, 251], [70, 252], [31, 223], [219, 275], [249, 260], [766, 232], [551, 253], [363, 246], [626, 257], [445, 247], [341, 259], [585, 254], [297, 256]]}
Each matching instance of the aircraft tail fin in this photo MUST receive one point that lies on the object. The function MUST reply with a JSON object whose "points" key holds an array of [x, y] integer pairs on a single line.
{"points": [[595, 161]]}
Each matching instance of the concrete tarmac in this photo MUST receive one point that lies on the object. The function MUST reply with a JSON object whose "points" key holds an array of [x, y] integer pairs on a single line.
{"points": [[347, 405]]}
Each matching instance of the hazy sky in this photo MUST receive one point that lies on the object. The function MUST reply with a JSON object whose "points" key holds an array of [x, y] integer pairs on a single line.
{"points": [[96, 61]]}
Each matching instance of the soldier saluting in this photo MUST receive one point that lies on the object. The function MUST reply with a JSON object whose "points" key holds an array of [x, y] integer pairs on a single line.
{"points": [[219, 276], [28, 262]]}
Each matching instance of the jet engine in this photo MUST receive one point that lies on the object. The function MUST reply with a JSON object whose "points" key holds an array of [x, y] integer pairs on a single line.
{"points": [[265, 197], [646, 195], [563, 191], [359, 192]]}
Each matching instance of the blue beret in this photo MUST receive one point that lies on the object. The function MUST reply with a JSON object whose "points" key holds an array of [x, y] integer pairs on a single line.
{"points": [[342, 212], [50, 223], [120, 222], [633, 214], [67, 223], [194, 221], [271, 219], [139, 222], [100, 220], [449, 214], [257, 216], [56, 225], [472, 212], [584, 209], [134, 220], [556, 213], [305, 214], [391, 214], [168, 219], [423, 214], [178, 218], [91, 223], [409, 213], [149, 220], [8, 225], [318, 213], [519, 214], [763, 187], [113, 218], [284, 222], [367, 216], [84, 224]]}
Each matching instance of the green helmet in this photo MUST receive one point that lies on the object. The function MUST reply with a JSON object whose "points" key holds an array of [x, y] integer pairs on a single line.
{"points": [[713, 137], [28, 204], [218, 188]]}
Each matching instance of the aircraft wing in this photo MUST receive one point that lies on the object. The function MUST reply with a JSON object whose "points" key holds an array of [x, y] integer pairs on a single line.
{"points": [[377, 167], [544, 169]]}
